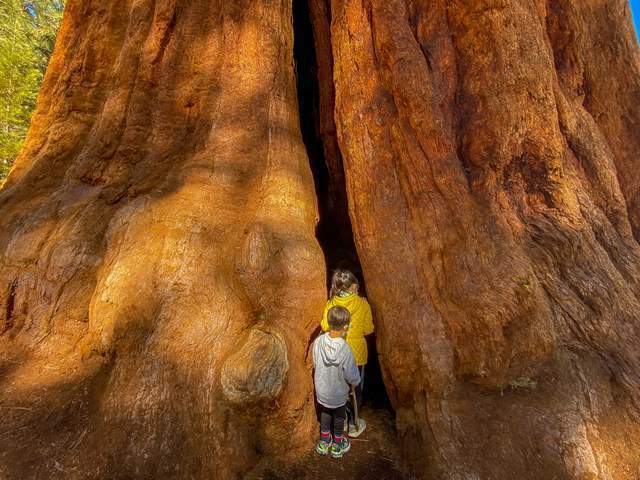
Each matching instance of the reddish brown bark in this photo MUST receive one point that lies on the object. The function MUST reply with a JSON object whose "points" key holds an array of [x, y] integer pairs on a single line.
{"points": [[483, 142], [160, 280], [155, 231]]}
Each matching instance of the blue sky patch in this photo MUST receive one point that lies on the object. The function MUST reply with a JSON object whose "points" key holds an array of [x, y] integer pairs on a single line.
{"points": [[635, 8]]}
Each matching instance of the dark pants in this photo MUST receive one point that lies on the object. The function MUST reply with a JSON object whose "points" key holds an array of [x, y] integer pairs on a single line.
{"points": [[332, 419], [350, 408]]}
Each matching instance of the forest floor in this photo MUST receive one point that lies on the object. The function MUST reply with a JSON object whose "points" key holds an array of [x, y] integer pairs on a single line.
{"points": [[373, 456]]}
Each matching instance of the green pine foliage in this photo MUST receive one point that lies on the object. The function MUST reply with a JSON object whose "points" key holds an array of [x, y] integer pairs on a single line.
{"points": [[27, 34]]}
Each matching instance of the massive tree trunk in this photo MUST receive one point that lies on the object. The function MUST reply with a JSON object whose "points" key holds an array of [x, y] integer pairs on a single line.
{"points": [[491, 156], [160, 275], [161, 281]]}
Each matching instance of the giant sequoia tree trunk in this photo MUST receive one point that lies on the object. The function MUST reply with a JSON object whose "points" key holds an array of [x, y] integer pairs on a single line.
{"points": [[156, 232], [491, 155], [160, 279]]}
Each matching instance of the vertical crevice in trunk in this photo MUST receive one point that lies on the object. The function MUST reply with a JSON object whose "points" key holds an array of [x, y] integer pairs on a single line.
{"points": [[318, 132], [8, 321], [313, 67]]}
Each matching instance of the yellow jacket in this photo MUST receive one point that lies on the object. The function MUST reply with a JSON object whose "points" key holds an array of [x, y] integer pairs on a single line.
{"points": [[361, 323]]}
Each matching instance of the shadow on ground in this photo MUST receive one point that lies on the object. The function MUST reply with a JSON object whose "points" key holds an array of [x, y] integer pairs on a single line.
{"points": [[373, 456]]}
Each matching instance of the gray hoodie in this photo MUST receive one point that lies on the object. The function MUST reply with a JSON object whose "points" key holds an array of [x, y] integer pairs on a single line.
{"points": [[335, 370]]}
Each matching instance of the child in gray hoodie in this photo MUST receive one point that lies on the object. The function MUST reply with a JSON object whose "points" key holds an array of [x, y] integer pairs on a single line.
{"points": [[335, 370]]}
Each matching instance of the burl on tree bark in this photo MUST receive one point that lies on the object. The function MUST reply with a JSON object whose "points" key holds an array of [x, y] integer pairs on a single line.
{"points": [[161, 281]]}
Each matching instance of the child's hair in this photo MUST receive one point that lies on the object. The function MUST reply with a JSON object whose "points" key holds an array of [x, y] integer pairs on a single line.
{"points": [[338, 317], [341, 281]]}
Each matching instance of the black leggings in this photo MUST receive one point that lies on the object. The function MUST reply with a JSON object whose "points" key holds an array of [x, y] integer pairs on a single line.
{"points": [[335, 416]]}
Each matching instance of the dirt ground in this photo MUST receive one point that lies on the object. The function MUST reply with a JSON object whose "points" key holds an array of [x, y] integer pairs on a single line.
{"points": [[373, 456]]}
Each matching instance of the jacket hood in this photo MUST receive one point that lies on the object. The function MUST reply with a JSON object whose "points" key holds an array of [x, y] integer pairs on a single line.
{"points": [[351, 302], [333, 351]]}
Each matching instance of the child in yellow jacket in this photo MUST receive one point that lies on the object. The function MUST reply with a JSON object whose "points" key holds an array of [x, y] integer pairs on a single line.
{"points": [[344, 293]]}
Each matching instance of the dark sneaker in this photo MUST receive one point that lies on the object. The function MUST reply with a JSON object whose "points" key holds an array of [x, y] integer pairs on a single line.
{"points": [[356, 430], [340, 448], [322, 447]]}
